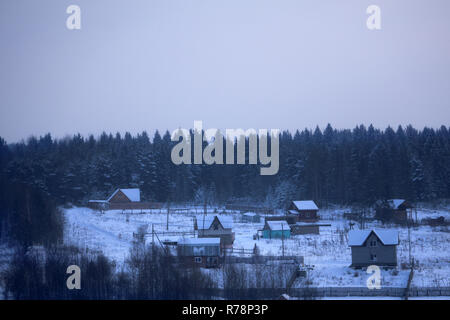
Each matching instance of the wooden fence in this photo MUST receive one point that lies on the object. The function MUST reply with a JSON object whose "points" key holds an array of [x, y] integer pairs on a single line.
{"points": [[321, 292]]}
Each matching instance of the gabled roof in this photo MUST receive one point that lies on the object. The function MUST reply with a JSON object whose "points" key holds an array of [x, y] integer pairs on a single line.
{"points": [[395, 203], [133, 194], [305, 205], [278, 225], [358, 237], [205, 222]]}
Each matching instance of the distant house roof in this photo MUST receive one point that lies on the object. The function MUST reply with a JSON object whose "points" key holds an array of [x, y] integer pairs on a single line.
{"points": [[205, 222], [395, 203], [97, 201], [133, 194], [278, 225], [199, 241], [358, 237], [305, 205], [250, 214]]}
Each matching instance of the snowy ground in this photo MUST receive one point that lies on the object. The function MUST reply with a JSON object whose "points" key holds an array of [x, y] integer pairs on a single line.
{"points": [[328, 252]]}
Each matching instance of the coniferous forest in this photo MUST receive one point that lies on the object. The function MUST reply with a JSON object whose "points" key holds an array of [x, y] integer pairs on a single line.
{"points": [[332, 166]]}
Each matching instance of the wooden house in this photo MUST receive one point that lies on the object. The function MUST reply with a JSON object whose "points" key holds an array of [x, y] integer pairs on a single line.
{"points": [[373, 247], [276, 230], [304, 210], [397, 210], [123, 199], [213, 226], [201, 252]]}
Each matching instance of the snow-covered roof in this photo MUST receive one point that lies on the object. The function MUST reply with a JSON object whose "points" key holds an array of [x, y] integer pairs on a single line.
{"points": [[204, 222], [305, 205], [199, 241], [133, 194], [278, 225], [358, 237], [250, 214], [98, 201]]}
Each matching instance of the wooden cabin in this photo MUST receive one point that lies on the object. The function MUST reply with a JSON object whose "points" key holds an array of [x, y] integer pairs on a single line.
{"points": [[303, 210], [123, 199], [397, 210], [373, 247], [213, 226]]}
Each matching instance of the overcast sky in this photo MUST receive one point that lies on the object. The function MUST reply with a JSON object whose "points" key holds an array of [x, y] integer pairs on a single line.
{"points": [[161, 64]]}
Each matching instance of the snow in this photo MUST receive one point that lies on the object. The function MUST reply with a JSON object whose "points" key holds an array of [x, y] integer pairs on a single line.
{"points": [[199, 241], [133, 194], [358, 237], [249, 214], [278, 225], [328, 252], [306, 205]]}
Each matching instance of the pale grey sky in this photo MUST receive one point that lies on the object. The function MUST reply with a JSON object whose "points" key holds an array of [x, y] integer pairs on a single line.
{"points": [[161, 64]]}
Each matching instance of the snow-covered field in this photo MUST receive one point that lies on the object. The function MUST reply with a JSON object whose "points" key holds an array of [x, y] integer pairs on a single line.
{"points": [[112, 233]]}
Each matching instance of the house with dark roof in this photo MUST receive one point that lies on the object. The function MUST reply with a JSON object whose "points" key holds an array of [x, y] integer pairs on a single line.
{"points": [[303, 210], [373, 247], [214, 226], [397, 210]]}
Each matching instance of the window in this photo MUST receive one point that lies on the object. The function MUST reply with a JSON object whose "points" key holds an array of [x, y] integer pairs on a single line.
{"points": [[373, 243], [373, 257], [198, 259]]}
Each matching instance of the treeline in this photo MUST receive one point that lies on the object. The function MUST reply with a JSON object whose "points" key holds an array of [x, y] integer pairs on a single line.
{"points": [[40, 273], [355, 166]]}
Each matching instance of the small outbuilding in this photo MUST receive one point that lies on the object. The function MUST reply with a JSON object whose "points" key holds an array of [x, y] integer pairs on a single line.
{"points": [[373, 247], [303, 210], [251, 217], [305, 228], [201, 252], [276, 230]]}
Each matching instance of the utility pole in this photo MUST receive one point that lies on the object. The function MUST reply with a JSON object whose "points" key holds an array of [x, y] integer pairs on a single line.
{"points": [[282, 239], [153, 237], [409, 241], [168, 210]]}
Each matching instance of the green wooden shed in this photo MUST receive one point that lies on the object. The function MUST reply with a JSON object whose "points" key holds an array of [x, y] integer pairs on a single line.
{"points": [[276, 230]]}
